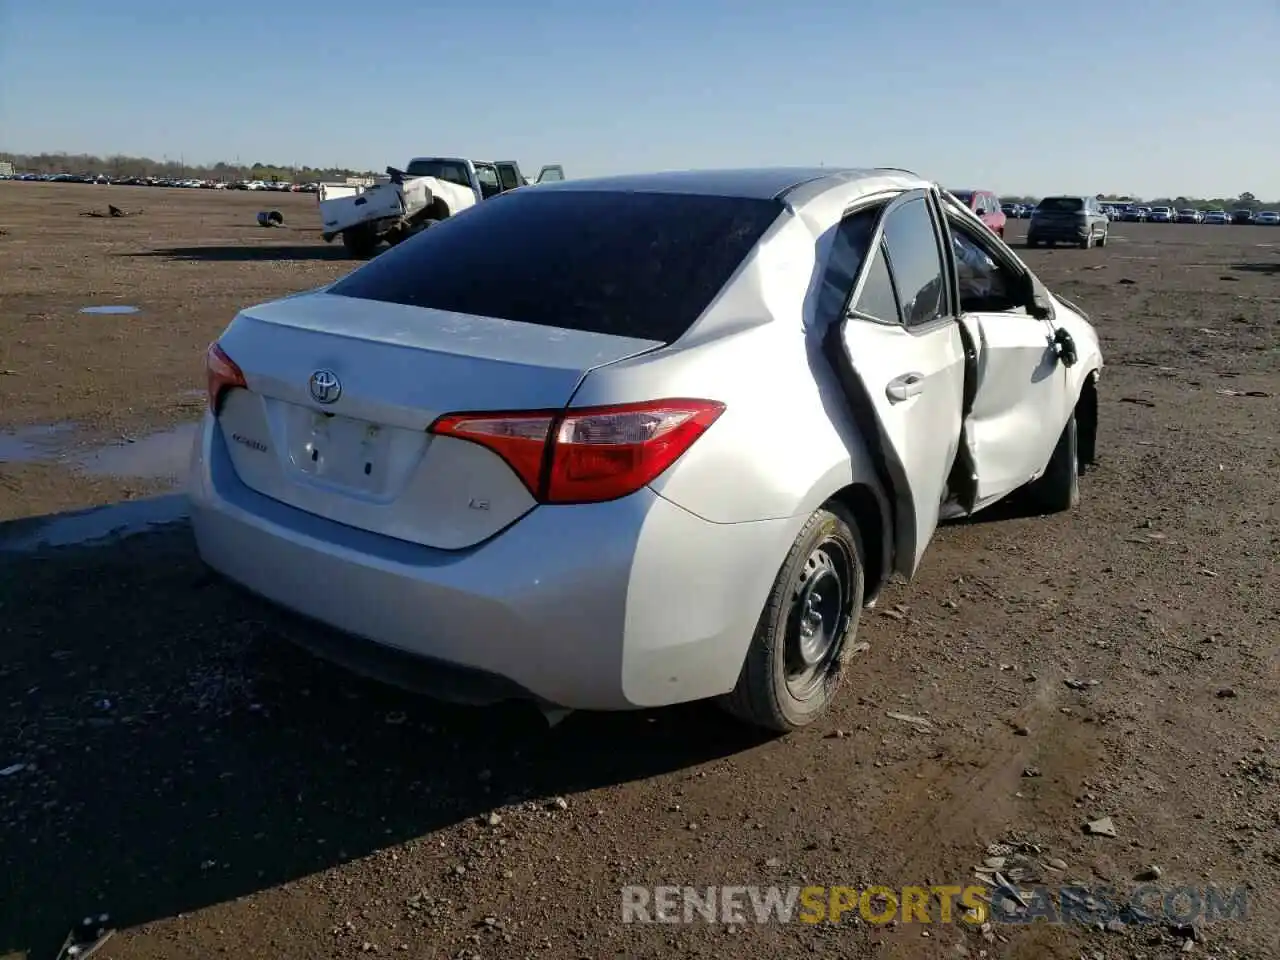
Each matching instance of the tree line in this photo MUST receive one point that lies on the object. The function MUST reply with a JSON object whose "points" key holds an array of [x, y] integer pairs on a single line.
{"points": [[82, 164]]}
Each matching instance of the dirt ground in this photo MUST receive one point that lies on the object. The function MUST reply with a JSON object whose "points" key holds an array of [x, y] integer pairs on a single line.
{"points": [[165, 759]]}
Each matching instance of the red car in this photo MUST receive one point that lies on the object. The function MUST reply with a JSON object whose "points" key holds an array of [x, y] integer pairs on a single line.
{"points": [[986, 205]]}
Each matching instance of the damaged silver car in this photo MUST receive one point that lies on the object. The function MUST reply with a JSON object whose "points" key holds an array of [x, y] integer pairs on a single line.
{"points": [[628, 442]]}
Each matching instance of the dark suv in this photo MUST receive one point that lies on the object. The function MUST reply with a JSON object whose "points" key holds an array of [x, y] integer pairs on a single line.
{"points": [[1242, 216], [1069, 219]]}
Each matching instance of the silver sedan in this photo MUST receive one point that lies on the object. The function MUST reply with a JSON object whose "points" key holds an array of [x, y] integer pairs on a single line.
{"points": [[628, 442]]}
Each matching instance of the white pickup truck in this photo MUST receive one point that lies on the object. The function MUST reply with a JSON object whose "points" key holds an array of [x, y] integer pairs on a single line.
{"points": [[426, 192]]}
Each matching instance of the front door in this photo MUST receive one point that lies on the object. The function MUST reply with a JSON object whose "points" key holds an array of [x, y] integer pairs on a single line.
{"points": [[906, 351], [1020, 395]]}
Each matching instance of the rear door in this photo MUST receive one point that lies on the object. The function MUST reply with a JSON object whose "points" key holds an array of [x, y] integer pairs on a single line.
{"points": [[905, 350]]}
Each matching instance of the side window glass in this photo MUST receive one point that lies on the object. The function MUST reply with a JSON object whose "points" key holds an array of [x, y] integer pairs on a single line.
{"points": [[848, 251], [507, 174], [488, 178], [877, 298], [985, 285], [914, 259]]}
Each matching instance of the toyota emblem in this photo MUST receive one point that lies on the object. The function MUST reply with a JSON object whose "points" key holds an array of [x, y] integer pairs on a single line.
{"points": [[325, 386]]}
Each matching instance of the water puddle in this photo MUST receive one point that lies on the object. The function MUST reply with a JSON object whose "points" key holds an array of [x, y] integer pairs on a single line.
{"points": [[160, 456], [111, 308], [93, 526], [156, 456], [34, 444]]}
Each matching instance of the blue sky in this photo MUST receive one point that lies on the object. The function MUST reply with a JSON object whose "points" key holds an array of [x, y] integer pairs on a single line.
{"points": [[1179, 96]]}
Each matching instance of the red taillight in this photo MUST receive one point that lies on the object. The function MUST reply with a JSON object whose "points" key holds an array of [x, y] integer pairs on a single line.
{"points": [[589, 454], [222, 374]]}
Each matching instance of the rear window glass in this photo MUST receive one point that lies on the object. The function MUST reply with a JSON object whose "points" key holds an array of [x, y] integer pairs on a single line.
{"points": [[1061, 205], [451, 171], [640, 265], [964, 196]]}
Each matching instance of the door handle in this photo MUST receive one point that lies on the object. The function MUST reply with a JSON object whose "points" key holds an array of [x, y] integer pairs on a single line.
{"points": [[905, 387]]}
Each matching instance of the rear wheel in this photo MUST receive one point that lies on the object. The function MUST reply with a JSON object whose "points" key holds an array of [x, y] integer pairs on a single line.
{"points": [[796, 661], [1102, 240], [1087, 242], [1032, 242], [360, 241]]}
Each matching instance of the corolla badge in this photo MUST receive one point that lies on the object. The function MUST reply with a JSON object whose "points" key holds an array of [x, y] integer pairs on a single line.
{"points": [[325, 386]]}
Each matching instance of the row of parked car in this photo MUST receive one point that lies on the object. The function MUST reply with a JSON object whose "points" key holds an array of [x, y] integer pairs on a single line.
{"points": [[1138, 214], [186, 182], [1134, 213]]}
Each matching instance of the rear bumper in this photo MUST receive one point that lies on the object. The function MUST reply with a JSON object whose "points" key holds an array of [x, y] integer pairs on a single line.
{"points": [[633, 603], [1057, 231]]}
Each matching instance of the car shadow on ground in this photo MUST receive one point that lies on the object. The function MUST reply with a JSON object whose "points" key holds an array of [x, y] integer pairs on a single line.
{"points": [[165, 749], [240, 253], [1272, 266]]}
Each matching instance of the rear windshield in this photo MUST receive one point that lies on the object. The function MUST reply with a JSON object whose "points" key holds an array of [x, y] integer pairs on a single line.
{"points": [[640, 265], [451, 171], [1061, 205]]}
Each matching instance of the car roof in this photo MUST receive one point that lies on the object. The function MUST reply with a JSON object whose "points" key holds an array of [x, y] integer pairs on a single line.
{"points": [[764, 183]]}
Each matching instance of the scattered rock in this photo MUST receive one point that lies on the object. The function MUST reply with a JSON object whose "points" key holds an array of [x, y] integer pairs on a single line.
{"points": [[13, 768], [1020, 731], [921, 723], [493, 819], [559, 803], [1126, 281], [1101, 828], [1115, 925], [1187, 931], [1081, 684], [1226, 693], [395, 718], [1149, 873], [1055, 863], [1030, 772]]}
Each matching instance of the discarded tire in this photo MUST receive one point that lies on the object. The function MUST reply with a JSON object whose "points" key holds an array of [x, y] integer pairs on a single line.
{"points": [[270, 218]]}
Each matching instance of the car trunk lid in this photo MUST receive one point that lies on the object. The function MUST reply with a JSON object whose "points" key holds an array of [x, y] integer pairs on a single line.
{"points": [[340, 393]]}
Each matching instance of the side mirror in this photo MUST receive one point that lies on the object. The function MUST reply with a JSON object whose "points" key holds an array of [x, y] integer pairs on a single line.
{"points": [[1035, 298], [1065, 347]]}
